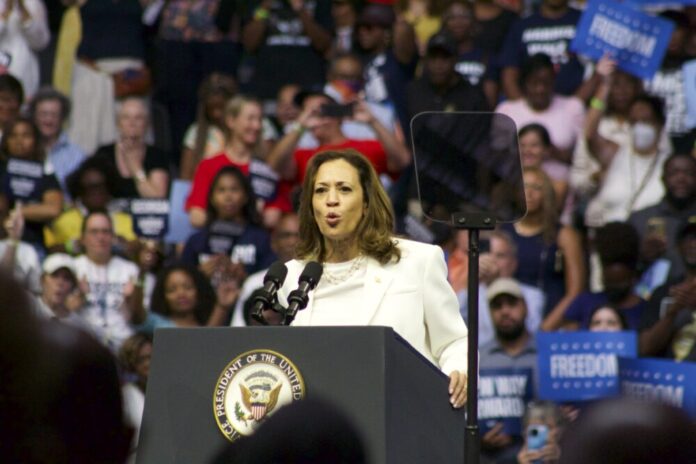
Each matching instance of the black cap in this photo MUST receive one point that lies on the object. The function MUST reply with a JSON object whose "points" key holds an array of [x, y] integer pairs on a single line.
{"points": [[442, 42], [377, 15], [303, 95], [687, 229]]}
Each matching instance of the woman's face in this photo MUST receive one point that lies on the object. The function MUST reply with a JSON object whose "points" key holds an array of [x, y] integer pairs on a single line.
{"points": [[133, 120], [459, 21], [641, 115], [142, 363], [605, 320], [95, 193], [532, 149], [538, 88], [228, 198], [247, 125], [623, 91], [215, 109], [533, 192], [180, 292], [20, 141], [338, 200]]}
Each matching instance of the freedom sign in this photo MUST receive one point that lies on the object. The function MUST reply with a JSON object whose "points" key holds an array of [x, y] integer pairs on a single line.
{"points": [[660, 380], [636, 40], [580, 366], [150, 217], [502, 396]]}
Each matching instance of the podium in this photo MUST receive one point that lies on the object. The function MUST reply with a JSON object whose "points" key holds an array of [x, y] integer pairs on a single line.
{"points": [[396, 398]]}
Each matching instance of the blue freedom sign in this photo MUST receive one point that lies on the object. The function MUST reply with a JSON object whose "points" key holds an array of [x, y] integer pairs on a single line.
{"points": [[503, 394], [660, 380], [636, 40], [580, 366]]}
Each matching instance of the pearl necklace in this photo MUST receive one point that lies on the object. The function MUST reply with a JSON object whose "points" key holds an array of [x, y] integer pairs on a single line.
{"points": [[335, 279]]}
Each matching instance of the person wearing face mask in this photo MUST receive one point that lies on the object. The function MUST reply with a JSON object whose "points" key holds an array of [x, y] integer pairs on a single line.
{"points": [[668, 327], [634, 169], [617, 244]]}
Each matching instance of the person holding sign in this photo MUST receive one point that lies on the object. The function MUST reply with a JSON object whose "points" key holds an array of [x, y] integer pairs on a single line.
{"points": [[633, 170], [513, 349], [25, 178], [369, 277]]}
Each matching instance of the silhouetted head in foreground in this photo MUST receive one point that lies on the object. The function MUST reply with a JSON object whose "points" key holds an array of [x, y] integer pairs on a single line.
{"points": [[626, 431], [306, 432], [60, 400]]}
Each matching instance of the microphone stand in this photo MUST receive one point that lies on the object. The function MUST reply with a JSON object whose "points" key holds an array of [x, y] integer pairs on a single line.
{"points": [[473, 222]]}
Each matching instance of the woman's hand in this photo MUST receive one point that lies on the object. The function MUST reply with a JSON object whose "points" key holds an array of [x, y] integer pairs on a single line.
{"points": [[606, 67], [457, 389], [227, 291], [132, 149]]}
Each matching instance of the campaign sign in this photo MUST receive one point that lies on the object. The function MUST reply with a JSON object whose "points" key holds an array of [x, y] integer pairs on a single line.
{"points": [[660, 380], [689, 72], [150, 217], [579, 366], [503, 394], [636, 40], [22, 178]]}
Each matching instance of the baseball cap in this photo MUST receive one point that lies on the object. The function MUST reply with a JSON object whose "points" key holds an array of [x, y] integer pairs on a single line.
{"points": [[504, 286], [443, 42], [56, 261], [687, 229]]}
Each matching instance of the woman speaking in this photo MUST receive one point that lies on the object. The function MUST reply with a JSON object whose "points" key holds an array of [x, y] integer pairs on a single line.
{"points": [[370, 277]]}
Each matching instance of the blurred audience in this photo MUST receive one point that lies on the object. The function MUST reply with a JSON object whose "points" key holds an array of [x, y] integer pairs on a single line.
{"points": [[142, 171], [114, 299], [205, 138], [30, 186], [550, 255], [641, 159], [23, 33], [50, 109]]}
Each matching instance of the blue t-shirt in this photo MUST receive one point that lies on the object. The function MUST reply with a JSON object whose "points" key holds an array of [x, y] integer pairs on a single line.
{"points": [[477, 66], [580, 310], [536, 34], [247, 244]]}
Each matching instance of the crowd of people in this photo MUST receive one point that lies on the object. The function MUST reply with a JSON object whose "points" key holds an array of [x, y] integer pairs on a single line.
{"points": [[102, 103]]}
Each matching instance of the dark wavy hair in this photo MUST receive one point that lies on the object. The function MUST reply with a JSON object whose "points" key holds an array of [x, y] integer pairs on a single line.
{"points": [[249, 211], [533, 64], [74, 180], [39, 154], [205, 295], [375, 230], [540, 130]]}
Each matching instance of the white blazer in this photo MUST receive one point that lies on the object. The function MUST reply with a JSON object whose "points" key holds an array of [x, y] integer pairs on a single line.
{"points": [[411, 296]]}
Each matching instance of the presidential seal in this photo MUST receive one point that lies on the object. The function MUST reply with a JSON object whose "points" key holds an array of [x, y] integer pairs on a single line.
{"points": [[251, 387]]}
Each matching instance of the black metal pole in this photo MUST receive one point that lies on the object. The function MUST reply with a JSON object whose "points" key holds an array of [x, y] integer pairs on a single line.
{"points": [[471, 442]]}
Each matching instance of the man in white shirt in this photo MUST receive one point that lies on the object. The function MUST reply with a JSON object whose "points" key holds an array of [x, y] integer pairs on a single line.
{"points": [[109, 281]]}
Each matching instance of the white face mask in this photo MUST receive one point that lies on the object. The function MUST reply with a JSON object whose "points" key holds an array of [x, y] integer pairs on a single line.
{"points": [[644, 136]]}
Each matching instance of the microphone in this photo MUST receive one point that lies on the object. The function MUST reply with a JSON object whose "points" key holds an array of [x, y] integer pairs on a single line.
{"points": [[298, 298], [266, 297]]}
